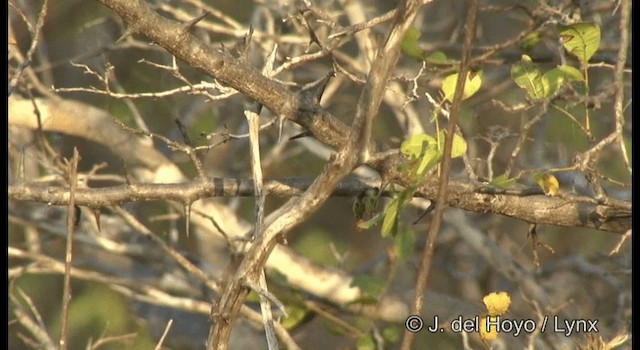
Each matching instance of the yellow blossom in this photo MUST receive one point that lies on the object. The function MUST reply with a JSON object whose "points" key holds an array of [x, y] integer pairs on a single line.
{"points": [[488, 334], [497, 303]]}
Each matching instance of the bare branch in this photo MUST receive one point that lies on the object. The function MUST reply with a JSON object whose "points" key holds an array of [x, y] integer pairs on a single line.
{"points": [[36, 33], [441, 201], [72, 221]]}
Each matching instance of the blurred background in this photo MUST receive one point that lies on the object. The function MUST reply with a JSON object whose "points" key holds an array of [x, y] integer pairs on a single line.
{"points": [[82, 42]]}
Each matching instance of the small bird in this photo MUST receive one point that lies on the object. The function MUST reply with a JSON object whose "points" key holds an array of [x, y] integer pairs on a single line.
{"points": [[365, 204], [548, 183]]}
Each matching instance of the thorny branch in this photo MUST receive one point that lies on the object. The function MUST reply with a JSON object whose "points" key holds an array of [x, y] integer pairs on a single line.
{"points": [[576, 211], [294, 211], [441, 203]]}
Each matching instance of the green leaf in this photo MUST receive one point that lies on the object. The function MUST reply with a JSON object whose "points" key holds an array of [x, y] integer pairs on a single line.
{"points": [[627, 146], [581, 39], [295, 315], [430, 158], [391, 334], [527, 76], [369, 285], [315, 246], [252, 297], [552, 81], [423, 148], [404, 244], [335, 329], [366, 343], [390, 221], [277, 276], [409, 44], [555, 78], [415, 146], [459, 147], [375, 220], [537, 85], [570, 73], [502, 182], [471, 85], [364, 300], [530, 40], [438, 58]]}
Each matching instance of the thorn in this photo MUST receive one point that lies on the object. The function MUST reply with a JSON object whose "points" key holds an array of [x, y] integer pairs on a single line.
{"points": [[269, 62], [301, 135], [532, 230], [187, 214], [313, 38], [189, 25], [428, 210], [245, 43], [127, 177], [96, 215], [266, 294], [21, 167], [183, 131], [78, 214], [280, 125], [321, 85], [126, 33]]}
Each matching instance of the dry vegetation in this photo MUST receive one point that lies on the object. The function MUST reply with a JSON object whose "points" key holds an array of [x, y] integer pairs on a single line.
{"points": [[187, 174]]}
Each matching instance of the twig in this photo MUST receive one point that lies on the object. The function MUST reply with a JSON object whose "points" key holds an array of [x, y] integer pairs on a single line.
{"points": [[176, 146], [618, 77], [441, 201], [256, 170], [112, 339], [127, 287], [179, 258], [36, 33], [164, 334], [614, 216], [317, 308], [253, 119], [200, 88], [354, 28], [35, 327], [354, 151], [524, 131], [71, 225], [623, 239]]}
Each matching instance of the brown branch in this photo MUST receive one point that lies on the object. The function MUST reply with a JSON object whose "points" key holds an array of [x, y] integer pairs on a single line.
{"points": [[580, 209], [168, 250], [528, 204], [324, 126], [618, 109], [354, 151], [37, 34], [441, 201], [97, 125], [31, 321], [72, 217], [128, 287]]}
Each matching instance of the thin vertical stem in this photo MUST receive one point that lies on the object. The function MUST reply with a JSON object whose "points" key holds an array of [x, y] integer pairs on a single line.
{"points": [[441, 203]]}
